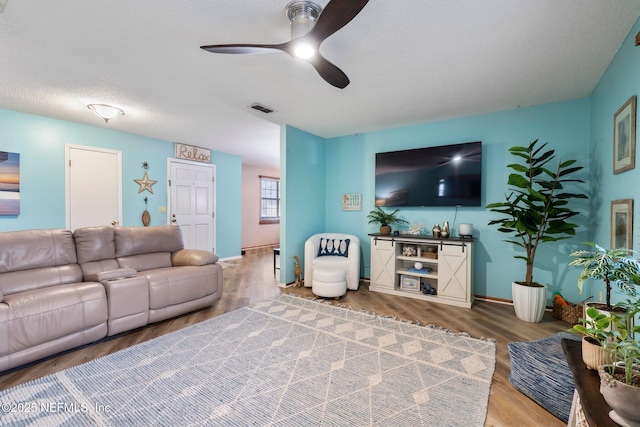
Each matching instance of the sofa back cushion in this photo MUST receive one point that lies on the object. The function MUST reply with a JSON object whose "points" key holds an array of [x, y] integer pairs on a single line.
{"points": [[144, 240], [96, 247], [32, 259], [95, 243], [28, 249]]}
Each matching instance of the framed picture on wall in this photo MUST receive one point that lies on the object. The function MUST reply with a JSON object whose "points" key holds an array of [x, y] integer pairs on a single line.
{"points": [[9, 183], [352, 202], [622, 223], [624, 137]]}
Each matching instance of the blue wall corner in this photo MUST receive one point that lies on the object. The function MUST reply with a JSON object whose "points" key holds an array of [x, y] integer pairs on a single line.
{"points": [[302, 165], [228, 204]]}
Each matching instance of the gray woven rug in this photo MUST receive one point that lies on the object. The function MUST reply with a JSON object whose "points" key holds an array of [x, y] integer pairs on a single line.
{"points": [[287, 361]]}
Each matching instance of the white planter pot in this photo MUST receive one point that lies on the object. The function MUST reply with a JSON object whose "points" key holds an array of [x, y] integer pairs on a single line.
{"points": [[623, 399], [529, 302]]}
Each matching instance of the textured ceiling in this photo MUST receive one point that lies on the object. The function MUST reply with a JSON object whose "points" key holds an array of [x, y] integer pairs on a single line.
{"points": [[408, 62]]}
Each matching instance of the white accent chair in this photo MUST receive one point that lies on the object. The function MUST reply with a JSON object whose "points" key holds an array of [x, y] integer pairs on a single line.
{"points": [[350, 264]]}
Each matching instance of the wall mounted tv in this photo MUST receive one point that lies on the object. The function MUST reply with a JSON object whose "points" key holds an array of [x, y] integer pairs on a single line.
{"points": [[448, 175]]}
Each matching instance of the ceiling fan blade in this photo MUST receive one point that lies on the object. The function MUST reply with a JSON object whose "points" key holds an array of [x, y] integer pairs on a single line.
{"points": [[335, 15], [329, 72], [244, 48]]}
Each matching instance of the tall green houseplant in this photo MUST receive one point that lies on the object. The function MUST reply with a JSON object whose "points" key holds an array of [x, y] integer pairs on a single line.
{"points": [[537, 208]]}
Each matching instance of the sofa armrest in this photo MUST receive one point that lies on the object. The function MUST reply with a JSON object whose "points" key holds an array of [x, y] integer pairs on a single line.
{"points": [[120, 273], [195, 257]]}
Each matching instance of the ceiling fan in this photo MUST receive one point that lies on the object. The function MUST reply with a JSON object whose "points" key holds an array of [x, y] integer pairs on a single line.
{"points": [[306, 37]]}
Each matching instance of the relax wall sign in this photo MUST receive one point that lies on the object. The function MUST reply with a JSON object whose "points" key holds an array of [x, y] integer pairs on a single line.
{"points": [[189, 152]]}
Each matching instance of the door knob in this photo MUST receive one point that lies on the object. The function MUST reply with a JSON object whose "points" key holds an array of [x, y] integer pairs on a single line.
{"points": [[114, 222], [173, 218]]}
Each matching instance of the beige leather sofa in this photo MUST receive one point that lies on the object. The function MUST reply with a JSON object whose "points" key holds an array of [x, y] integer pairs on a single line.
{"points": [[60, 290]]}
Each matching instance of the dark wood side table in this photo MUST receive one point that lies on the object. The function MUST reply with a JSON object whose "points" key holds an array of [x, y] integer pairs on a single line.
{"points": [[587, 399]]}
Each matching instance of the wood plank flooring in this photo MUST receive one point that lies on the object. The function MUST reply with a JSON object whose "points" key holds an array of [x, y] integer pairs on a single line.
{"points": [[250, 279]]}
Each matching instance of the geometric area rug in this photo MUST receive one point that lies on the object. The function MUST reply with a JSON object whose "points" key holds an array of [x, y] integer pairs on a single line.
{"points": [[287, 361]]}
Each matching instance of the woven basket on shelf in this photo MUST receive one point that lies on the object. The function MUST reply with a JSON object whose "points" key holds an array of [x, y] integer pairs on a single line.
{"points": [[569, 313]]}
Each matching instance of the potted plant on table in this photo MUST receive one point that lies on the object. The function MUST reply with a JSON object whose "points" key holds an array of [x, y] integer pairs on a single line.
{"points": [[595, 328], [536, 211], [613, 266], [620, 380], [385, 219]]}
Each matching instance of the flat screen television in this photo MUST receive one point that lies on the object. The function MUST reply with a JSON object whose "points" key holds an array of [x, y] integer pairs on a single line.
{"points": [[447, 175]]}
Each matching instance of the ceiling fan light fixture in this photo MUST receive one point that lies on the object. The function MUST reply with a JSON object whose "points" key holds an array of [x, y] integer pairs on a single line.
{"points": [[303, 16], [304, 50], [105, 112]]}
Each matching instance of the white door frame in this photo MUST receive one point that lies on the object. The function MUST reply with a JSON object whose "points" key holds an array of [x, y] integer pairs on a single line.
{"points": [[171, 160], [67, 180]]}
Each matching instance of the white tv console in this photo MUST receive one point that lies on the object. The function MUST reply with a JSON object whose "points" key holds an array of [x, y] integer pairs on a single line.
{"points": [[449, 260]]}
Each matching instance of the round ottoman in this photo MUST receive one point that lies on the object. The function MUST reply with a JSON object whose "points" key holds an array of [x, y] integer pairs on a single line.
{"points": [[329, 283]]}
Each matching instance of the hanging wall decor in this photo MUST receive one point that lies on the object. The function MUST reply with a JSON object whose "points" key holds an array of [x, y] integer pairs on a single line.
{"points": [[145, 183], [624, 137], [622, 223], [146, 216], [352, 202], [9, 183], [189, 152]]}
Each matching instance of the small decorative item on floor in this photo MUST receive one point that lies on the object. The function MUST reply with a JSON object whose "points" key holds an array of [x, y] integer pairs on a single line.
{"points": [[298, 272], [146, 216], [565, 310]]}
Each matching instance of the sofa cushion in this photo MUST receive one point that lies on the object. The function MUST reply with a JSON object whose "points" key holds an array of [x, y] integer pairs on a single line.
{"points": [[42, 315], [193, 257], [169, 286], [27, 249], [143, 240], [95, 243], [144, 262], [26, 280]]}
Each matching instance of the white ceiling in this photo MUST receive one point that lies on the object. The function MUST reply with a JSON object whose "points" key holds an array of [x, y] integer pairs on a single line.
{"points": [[408, 62]]}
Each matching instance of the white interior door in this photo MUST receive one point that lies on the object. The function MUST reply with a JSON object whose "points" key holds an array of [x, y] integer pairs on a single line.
{"points": [[192, 202], [93, 186]]}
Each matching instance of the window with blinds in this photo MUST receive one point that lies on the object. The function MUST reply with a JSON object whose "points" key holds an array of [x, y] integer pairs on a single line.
{"points": [[269, 200]]}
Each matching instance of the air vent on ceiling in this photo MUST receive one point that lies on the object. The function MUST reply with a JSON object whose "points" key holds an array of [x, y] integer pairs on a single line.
{"points": [[262, 108]]}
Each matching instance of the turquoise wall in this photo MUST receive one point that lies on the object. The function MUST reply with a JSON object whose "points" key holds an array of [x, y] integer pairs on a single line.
{"points": [[228, 204], [565, 125], [618, 84], [40, 141], [580, 129], [302, 175]]}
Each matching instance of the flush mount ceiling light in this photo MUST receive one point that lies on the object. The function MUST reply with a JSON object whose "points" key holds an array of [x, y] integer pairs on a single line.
{"points": [[105, 112], [303, 16]]}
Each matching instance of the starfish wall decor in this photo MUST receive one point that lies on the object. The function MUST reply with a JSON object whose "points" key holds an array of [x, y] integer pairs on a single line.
{"points": [[145, 183]]}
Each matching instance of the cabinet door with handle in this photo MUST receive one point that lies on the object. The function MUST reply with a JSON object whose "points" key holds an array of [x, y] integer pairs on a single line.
{"points": [[383, 259], [453, 272]]}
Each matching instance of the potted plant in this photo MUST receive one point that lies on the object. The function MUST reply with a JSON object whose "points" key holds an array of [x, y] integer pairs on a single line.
{"points": [[536, 211], [385, 219], [620, 381], [609, 265], [595, 329]]}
